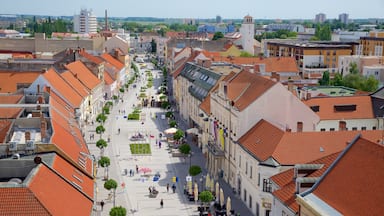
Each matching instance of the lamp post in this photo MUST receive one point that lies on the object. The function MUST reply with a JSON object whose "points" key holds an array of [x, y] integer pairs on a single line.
{"points": [[201, 182], [190, 160]]}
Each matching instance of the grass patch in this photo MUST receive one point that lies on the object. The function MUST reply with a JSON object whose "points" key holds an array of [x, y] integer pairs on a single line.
{"points": [[134, 116], [143, 95], [138, 148]]}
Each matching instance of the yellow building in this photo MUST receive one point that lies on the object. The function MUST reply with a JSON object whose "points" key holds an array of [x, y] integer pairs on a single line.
{"points": [[313, 58], [372, 45]]}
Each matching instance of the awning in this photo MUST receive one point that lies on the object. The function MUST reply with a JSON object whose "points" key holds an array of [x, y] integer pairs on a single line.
{"points": [[192, 131]]}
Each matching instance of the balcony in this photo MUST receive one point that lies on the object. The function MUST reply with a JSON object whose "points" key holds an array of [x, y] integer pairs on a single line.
{"points": [[215, 149]]}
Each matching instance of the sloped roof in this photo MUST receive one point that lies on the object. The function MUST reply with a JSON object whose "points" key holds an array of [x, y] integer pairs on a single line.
{"points": [[245, 87], [20, 201], [75, 83], [265, 141], [116, 63], [107, 78], [63, 88], [56, 195], [66, 133], [287, 185], [83, 74], [10, 79], [90, 57], [205, 105], [327, 105], [353, 184]]}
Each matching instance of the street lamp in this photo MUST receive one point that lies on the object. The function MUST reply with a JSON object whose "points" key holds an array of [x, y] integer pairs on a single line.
{"points": [[201, 182], [190, 159]]}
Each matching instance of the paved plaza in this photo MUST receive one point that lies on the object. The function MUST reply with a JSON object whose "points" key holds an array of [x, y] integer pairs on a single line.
{"points": [[133, 191]]}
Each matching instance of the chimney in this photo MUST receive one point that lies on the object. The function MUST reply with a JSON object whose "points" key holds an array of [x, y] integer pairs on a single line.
{"points": [[48, 89], [275, 76], [290, 85], [299, 126], [342, 125], [288, 129], [27, 136], [43, 127], [308, 95], [38, 89], [40, 100]]}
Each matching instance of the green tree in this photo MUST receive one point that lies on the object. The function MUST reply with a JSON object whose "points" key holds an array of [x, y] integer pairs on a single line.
{"points": [[172, 123], [194, 170], [101, 144], [206, 196], [118, 211], [218, 35], [104, 162], [100, 130], [323, 32], [178, 135], [337, 80], [370, 84], [353, 68], [111, 184], [324, 79], [185, 149], [101, 118]]}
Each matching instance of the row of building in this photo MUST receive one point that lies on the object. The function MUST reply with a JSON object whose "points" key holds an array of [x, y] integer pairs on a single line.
{"points": [[46, 167], [258, 122]]}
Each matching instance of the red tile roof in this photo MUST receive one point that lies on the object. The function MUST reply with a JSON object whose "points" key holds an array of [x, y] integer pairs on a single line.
{"points": [[66, 133], [267, 141], [116, 63], [90, 57], [327, 110], [75, 83], [205, 105], [62, 88], [21, 201], [287, 185], [83, 74], [353, 185], [9, 80], [56, 195], [245, 87], [107, 78]]}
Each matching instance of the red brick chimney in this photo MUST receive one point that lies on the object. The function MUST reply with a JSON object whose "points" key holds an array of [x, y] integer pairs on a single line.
{"points": [[342, 125], [27, 136], [299, 126], [48, 89], [43, 127]]}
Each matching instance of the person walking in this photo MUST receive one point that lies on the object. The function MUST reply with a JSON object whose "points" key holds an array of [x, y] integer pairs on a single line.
{"points": [[102, 204], [161, 203], [137, 169], [174, 188], [167, 187]]}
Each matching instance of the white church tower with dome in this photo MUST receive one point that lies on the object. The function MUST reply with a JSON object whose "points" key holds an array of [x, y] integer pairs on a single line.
{"points": [[247, 31]]}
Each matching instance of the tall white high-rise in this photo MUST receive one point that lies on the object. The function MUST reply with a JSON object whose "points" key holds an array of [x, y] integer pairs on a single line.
{"points": [[247, 31], [344, 18], [320, 18], [85, 22]]}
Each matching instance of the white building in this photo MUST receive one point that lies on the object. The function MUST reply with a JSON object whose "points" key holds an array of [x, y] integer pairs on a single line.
{"points": [[320, 18], [85, 22], [247, 32], [344, 18]]}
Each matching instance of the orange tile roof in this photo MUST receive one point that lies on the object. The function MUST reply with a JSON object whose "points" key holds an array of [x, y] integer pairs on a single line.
{"points": [[10, 112], [9, 80], [205, 105], [90, 57], [83, 74], [59, 85], [353, 185], [267, 141], [56, 195], [116, 63], [74, 175], [20, 201], [75, 83], [245, 87], [287, 185], [327, 111], [107, 78], [5, 125], [66, 133]]}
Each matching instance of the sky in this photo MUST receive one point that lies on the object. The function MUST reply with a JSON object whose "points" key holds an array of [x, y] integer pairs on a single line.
{"points": [[234, 9]]}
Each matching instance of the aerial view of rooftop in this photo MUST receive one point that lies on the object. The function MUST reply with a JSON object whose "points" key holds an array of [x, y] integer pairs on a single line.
{"points": [[205, 108]]}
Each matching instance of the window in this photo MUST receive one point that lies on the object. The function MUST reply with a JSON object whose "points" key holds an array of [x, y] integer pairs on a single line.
{"points": [[246, 168], [331, 129], [374, 128], [258, 179], [354, 128], [239, 161], [267, 185], [250, 172], [363, 128], [322, 129], [245, 195], [250, 201], [257, 209]]}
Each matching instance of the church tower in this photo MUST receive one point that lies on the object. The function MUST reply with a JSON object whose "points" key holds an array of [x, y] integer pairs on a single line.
{"points": [[247, 32]]}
